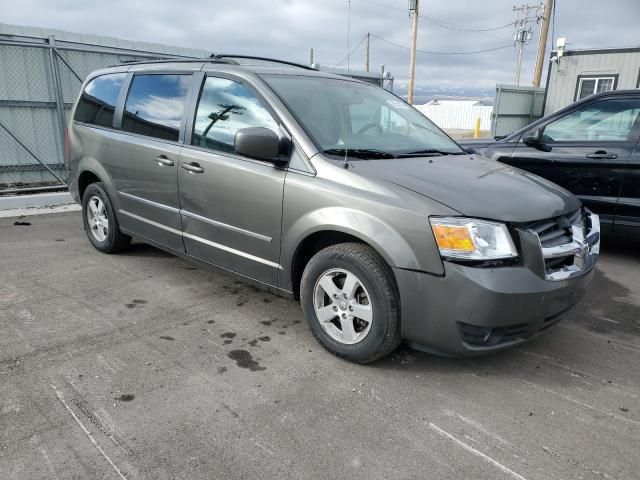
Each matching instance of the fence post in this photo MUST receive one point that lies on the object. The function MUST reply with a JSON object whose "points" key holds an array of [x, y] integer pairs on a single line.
{"points": [[57, 89]]}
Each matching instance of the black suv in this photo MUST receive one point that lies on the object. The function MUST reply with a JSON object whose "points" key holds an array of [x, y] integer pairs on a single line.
{"points": [[591, 149]]}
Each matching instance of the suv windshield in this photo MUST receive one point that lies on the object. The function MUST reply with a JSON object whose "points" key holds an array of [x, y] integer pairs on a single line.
{"points": [[359, 119]]}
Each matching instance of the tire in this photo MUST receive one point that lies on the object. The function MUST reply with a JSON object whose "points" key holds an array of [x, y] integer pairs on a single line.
{"points": [[373, 310], [109, 239]]}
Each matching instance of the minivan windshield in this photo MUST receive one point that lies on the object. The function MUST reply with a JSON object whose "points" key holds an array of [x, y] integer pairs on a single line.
{"points": [[358, 119]]}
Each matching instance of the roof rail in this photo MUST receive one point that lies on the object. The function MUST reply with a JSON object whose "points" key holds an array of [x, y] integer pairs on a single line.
{"points": [[178, 60], [214, 58], [223, 56]]}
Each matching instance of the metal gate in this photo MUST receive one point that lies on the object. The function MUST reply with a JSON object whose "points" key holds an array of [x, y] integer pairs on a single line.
{"points": [[515, 107], [40, 79]]}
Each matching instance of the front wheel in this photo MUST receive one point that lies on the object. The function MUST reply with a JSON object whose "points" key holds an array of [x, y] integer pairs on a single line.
{"points": [[351, 303], [100, 222]]}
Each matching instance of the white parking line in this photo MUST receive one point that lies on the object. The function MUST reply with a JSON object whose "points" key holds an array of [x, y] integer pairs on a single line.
{"points": [[478, 453], [88, 433], [608, 320]]}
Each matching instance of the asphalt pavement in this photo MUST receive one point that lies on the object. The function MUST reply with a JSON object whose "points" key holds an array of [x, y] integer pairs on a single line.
{"points": [[143, 366]]}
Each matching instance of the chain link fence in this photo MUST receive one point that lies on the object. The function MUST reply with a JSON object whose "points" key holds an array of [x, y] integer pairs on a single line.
{"points": [[40, 78]]}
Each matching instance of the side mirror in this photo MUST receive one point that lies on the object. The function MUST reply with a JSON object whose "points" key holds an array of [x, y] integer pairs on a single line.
{"points": [[534, 139], [259, 143]]}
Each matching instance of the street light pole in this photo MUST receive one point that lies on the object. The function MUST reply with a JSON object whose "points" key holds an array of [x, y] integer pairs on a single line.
{"points": [[366, 53]]}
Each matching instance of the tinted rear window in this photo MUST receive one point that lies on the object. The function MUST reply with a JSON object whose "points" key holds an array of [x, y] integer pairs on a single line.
{"points": [[98, 101], [155, 105]]}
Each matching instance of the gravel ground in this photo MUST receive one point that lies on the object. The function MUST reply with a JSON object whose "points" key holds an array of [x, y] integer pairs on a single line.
{"points": [[141, 365]]}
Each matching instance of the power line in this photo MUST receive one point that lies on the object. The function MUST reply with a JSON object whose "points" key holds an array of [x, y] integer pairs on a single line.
{"points": [[351, 52], [443, 53], [441, 23]]}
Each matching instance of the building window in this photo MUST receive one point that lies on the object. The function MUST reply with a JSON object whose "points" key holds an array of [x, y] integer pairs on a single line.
{"points": [[590, 85]]}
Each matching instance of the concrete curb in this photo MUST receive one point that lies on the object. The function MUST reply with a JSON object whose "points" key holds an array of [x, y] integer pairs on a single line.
{"points": [[37, 200], [25, 212], [37, 204]]}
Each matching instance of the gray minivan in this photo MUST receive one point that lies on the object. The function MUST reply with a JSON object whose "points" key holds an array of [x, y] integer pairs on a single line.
{"points": [[333, 191]]}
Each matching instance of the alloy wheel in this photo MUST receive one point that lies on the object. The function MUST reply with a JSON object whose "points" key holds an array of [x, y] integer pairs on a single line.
{"points": [[97, 218], [343, 306]]}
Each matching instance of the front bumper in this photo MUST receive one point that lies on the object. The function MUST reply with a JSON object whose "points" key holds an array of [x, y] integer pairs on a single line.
{"points": [[470, 310]]}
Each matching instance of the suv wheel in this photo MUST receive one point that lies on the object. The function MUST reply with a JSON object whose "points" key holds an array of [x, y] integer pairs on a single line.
{"points": [[100, 222], [351, 303]]}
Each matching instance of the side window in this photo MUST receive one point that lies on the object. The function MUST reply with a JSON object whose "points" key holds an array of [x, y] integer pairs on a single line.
{"points": [[155, 105], [225, 107], [98, 100], [607, 121]]}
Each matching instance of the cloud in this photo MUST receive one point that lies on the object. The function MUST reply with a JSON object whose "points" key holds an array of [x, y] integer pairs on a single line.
{"points": [[288, 28]]}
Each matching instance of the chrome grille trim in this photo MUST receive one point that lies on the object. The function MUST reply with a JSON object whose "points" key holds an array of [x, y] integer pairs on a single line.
{"points": [[580, 247]]}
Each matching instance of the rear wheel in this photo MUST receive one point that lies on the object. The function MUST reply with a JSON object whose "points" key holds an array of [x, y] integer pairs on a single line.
{"points": [[100, 222], [350, 301]]}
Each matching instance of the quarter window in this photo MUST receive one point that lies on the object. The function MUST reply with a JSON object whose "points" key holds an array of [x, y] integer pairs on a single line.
{"points": [[155, 105], [225, 107], [98, 100], [610, 120], [590, 85]]}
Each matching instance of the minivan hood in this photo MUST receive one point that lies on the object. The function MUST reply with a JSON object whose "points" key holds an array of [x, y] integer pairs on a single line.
{"points": [[474, 186]]}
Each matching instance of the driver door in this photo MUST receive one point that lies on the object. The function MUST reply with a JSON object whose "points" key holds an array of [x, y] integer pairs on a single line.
{"points": [[231, 206], [585, 151]]}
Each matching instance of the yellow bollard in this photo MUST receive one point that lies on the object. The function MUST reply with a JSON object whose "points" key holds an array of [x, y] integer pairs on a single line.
{"points": [[476, 128]]}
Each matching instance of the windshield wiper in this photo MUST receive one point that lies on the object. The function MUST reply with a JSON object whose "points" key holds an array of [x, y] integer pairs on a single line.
{"points": [[359, 152], [427, 152]]}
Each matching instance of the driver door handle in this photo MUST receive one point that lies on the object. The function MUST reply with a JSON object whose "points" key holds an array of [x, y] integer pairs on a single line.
{"points": [[163, 161], [192, 167], [602, 155]]}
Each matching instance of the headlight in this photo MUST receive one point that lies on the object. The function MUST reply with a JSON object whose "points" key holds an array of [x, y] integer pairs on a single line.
{"points": [[472, 239]]}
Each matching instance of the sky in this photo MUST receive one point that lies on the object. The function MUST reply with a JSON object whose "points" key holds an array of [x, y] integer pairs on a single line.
{"points": [[286, 29]]}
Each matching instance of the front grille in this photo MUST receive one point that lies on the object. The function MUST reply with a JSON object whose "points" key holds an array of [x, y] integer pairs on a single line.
{"points": [[492, 336], [556, 231]]}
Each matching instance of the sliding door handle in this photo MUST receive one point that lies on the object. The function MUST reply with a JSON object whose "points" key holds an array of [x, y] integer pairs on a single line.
{"points": [[192, 167], [164, 161]]}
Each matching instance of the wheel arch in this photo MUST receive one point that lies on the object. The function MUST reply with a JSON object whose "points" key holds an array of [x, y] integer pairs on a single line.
{"points": [[91, 170], [312, 235]]}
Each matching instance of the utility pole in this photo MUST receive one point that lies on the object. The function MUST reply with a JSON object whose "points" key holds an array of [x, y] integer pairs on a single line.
{"points": [[542, 43], [366, 52], [523, 35], [413, 11]]}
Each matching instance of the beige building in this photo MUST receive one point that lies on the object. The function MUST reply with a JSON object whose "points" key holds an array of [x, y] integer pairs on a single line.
{"points": [[576, 74]]}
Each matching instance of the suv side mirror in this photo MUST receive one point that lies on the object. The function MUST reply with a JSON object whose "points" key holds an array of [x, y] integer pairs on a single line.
{"points": [[259, 143], [534, 139]]}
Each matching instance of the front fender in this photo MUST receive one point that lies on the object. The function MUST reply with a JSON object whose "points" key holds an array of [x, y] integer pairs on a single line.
{"points": [[412, 248]]}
